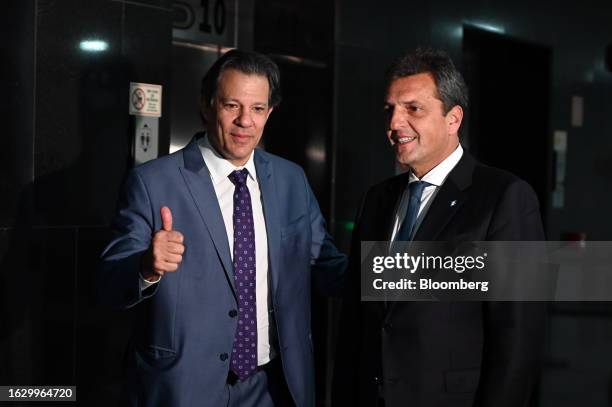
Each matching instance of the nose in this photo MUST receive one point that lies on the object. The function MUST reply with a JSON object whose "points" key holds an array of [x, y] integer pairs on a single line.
{"points": [[244, 118], [395, 120]]}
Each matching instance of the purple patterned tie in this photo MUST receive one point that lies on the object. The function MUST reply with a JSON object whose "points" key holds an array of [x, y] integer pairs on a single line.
{"points": [[244, 353]]}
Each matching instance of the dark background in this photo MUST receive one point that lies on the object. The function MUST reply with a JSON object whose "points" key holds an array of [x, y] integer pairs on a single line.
{"points": [[66, 147]]}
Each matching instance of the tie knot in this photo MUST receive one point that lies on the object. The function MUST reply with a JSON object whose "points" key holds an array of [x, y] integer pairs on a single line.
{"points": [[417, 187], [239, 177]]}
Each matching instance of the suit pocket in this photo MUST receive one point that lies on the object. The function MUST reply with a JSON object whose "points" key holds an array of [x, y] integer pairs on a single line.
{"points": [[461, 381], [293, 227], [157, 352], [155, 357]]}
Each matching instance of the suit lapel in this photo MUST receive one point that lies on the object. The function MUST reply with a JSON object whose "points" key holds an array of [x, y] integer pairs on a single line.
{"points": [[270, 201], [444, 206], [196, 176], [447, 201]]}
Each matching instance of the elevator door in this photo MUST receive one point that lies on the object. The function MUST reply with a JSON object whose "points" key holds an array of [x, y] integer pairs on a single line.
{"points": [[509, 82], [189, 64]]}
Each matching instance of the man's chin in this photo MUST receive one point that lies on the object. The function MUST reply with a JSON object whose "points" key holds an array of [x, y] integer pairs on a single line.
{"points": [[403, 160], [240, 156], [403, 166]]}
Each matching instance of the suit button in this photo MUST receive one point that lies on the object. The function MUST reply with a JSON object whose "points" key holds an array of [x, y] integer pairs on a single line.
{"points": [[387, 327], [223, 357], [377, 380], [233, 313]]}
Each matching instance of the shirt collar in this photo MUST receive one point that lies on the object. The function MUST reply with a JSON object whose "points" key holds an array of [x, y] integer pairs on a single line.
{"points": [[218, 167], [438, 174]]}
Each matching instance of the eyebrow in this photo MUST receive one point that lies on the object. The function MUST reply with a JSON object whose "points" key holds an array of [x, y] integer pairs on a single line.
{"points": [[405, 102], [225, 100]]}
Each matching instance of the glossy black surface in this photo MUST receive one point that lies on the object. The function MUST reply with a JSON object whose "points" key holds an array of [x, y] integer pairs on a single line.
{"points": [[300, 28], [38, 304], [81, 135], [17, 105], [68, 147]]}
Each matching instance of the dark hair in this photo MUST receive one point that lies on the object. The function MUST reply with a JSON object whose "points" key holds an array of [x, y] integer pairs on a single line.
{"points": [[247, 62], [451, 87]]}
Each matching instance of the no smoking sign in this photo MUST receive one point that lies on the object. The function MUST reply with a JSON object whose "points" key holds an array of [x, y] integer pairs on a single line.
{"points": [[145, 99]]}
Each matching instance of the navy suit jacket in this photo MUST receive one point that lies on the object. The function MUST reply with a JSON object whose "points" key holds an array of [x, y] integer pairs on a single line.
{"points": [[444, 354], [184, 334]]}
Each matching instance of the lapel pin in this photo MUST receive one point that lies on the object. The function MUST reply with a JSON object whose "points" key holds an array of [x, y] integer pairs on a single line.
{"points": [[453, 203]]}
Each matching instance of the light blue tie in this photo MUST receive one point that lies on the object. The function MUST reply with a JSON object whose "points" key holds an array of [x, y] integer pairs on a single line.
{"points": [[414, 203]]}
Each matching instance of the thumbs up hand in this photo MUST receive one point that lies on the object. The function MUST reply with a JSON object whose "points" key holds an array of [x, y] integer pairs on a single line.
{"points": [[166, 251]]}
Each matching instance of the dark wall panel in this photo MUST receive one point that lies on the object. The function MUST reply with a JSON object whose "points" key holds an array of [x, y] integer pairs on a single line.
{"points": [[69, 86], [66, 151], [17, 105]]}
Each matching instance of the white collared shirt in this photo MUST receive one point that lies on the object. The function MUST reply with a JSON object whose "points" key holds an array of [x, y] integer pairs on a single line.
{"points": [[219, 169], [436, 177]]}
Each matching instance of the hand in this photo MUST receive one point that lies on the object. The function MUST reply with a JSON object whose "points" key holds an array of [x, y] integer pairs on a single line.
{"points": [[166, 251]]}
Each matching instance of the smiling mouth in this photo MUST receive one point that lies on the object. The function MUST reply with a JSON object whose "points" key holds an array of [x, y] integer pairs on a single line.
{"points": [[404, 140]]}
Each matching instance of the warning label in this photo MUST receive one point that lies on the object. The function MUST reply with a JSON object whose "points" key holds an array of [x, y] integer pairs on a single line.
{"points": [[145, 99]]}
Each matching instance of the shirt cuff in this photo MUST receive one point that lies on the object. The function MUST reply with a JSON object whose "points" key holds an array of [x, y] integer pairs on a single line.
{"points": [[144, 283]]}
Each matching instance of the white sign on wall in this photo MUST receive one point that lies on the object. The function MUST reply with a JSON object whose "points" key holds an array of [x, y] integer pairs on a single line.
{"points": [[145, 99], [146, 140]]}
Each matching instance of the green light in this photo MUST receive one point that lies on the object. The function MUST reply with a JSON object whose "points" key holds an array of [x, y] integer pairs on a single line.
{"points": [[348, 226]]}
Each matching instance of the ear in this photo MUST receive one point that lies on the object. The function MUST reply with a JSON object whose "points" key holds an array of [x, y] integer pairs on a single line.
{"points": [[268, 114], [453, 119], [205, 110]]}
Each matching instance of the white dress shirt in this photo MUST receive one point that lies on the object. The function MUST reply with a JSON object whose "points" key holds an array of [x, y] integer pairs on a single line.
{"points": [[436, 177], [219, 168]]}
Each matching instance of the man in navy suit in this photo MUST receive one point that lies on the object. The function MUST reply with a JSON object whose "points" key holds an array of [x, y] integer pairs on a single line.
{"points": [[215, 245], [433, 354]]}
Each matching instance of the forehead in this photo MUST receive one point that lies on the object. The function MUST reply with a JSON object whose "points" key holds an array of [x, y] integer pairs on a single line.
{"points": [[236, 84], [420, 87]]}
